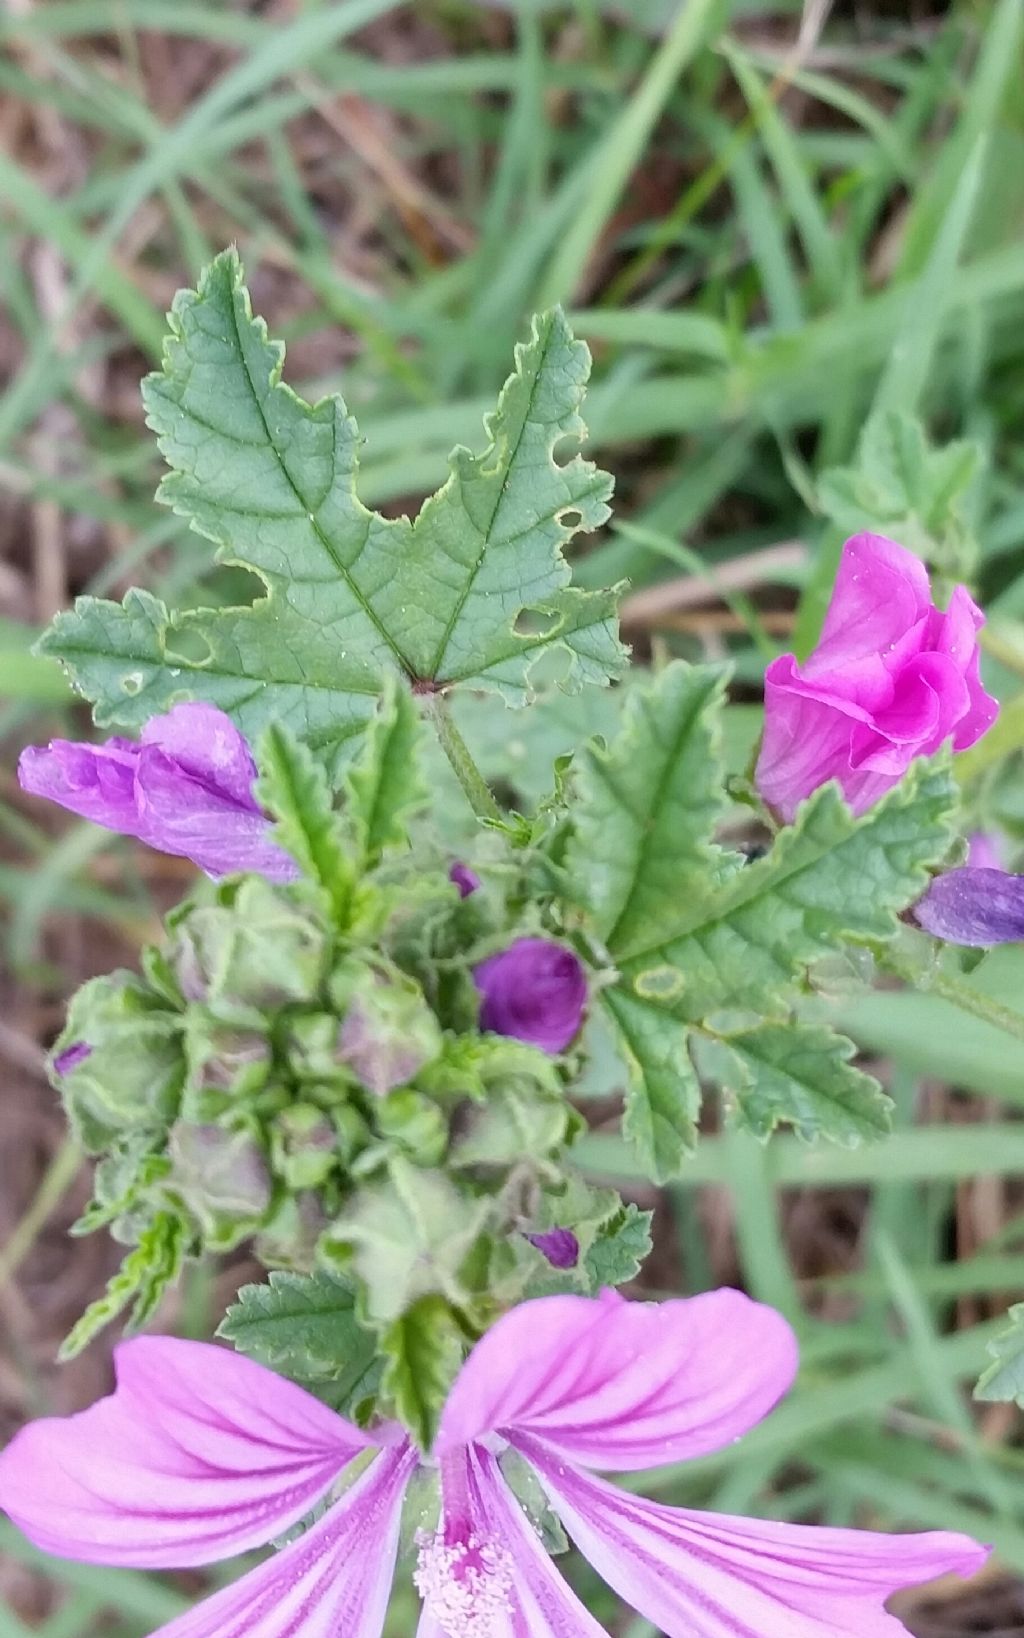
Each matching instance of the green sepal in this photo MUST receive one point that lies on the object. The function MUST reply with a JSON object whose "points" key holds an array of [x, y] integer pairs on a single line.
{"points": [[408, 1237], [423, 1351], [135, 1072], [254, 947]]}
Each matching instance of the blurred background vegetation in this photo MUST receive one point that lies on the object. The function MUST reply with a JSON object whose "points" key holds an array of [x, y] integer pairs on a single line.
{"points": [[771, 221]]}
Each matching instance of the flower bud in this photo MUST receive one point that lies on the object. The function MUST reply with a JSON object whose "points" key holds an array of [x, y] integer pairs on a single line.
{"points": [[120, 1060], [185, 788], [222, 1178], [388, 1032], [535, 990]]}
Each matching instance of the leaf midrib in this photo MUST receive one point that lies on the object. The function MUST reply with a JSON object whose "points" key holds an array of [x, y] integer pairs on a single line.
{"points": [[343, 572], [456, 614]]}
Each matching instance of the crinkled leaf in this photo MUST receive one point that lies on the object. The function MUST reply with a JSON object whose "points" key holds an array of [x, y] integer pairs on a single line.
{"points": [[828, 877], [142, 1279], [410, 1236], [424, 1350], [801, 1074], [384, 784], [647, 807], [473, 592], [305, 1327], [663, 1099], [293, 788], [1004, 1378]]}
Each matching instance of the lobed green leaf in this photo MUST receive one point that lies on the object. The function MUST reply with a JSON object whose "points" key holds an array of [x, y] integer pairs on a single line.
{"points": [[472, 592]]}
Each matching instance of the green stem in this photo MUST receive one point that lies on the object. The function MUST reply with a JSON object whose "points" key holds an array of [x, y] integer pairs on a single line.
{"points": [[478, 792], [56, 1179], [958, 994]]}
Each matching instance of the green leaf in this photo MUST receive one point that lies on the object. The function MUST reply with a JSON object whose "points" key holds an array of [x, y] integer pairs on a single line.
{"points": [[647, 807], [293, 787], [142, 1279], [1004, 1378], [829, 877], [904, 488], [424, 1350], [384, 783], [800, 1074], [473, 592], [410, 1236], [305, 1327], [620, 1248], [663, 1098]]}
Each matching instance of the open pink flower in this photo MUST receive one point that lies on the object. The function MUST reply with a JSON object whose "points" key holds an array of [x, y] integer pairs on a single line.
{"points": [[893, 678], [201, 1454], [185, 787]]}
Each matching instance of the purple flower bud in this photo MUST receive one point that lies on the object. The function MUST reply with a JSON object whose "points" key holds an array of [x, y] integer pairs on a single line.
{"points": [[559, 1245], [185, 788], [467, 881], [71, 1057], [535, 991], [972, 906]]}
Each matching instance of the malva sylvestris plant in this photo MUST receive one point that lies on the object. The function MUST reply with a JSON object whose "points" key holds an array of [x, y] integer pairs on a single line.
{"points": [[357, 1042]]}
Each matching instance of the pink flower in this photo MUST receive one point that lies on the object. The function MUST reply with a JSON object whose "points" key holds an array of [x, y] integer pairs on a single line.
{"points": [[201, 1454], [893, 678], [185, 787]]}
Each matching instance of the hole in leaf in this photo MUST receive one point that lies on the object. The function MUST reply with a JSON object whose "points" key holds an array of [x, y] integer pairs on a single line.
{"points": [[191, 648], [551, 668], [538, 622], [131, 682], [230, 585], [570, 517]]}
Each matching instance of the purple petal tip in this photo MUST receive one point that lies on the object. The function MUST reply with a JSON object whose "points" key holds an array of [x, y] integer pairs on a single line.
{"points": [[559, 1245], [71, 1057]]}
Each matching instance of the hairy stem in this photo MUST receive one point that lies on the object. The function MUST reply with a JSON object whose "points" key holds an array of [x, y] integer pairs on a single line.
{"points": [[478, 792], [958, 994]]}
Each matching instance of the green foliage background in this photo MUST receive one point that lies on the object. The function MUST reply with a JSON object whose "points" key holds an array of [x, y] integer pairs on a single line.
{"points": [[763, 243]]}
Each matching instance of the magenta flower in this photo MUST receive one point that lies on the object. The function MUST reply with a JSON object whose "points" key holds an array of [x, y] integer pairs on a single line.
{"points": [[201, 1454], [535, 991], [185, 788], [893, 678]]}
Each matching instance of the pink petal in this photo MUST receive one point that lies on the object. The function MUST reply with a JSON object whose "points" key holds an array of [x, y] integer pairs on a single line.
{"points": [[624, 1385], [333, 1582], [881, 591], [205, 743], [706, 1575], [181, 815], [806, 742], [198, 1455], [537, 1601], [95, 781], [981, 713]]}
